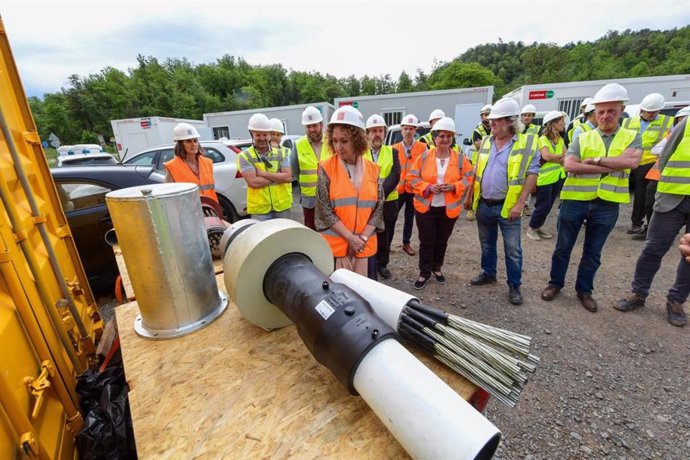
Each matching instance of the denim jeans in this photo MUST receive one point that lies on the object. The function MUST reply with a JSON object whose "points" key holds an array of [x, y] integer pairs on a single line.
{"points": [[489, 220], [405, 200], [661, 235], [599, 217]]}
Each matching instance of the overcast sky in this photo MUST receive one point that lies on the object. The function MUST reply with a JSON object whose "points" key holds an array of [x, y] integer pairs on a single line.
{"points": [[52, 40]]}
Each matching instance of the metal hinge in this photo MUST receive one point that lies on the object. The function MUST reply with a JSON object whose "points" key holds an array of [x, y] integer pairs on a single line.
{"points": [[29, 448], [37, 386]]}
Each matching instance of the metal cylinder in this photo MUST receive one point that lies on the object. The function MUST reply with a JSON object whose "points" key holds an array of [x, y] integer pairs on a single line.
{"points": [[160, 229]]}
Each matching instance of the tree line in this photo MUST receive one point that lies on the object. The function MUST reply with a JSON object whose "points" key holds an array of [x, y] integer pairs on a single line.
{"points": [[82, 110]]}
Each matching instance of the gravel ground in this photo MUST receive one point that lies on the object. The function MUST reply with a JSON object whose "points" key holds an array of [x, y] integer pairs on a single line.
{"points": [[610, 385]]}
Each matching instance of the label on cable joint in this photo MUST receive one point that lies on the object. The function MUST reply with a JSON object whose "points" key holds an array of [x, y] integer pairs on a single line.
{"points": [[325, 309]]}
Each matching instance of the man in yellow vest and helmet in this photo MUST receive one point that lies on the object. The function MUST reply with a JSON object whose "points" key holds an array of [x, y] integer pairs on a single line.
{"points": [[310, 149], [598, 164], [671, 214], [653, 127], [267, 173], [527, 114], [506, 171], [387, 158]]}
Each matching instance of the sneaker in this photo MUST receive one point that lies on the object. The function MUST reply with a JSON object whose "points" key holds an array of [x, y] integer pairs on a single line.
{"points": [[550, 292], [544, 233], [482, 278], [634, 229], [408, 249], [385, 273], [514, 294], [676, 315], [470, 215], [440, 279], [533, 234], [588, 302], [632, 302], [420, 283]]}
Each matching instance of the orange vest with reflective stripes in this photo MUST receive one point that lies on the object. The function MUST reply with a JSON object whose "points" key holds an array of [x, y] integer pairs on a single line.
{"points": [[406, 163], [354, 210], [424, 173], [180, 172]]}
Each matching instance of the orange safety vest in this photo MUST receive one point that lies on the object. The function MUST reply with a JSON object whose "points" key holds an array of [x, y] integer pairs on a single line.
{"points": [[406, 163], [181, 172], [654, 173], [425, 173], [353, 210]]}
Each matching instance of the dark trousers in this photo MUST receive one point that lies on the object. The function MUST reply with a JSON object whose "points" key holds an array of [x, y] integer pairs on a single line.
{"points": [[661, 235], [390, 215], [649, 199], [639, 192], [309, 218], [434, 230], [546, 197], [405, 200], [599, 217]]}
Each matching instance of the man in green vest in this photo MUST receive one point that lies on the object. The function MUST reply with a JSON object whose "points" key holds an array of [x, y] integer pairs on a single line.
{"points": [[267, 173], [653, 127], [310, 150], [387, 159], [506, 171], [481, 130], [526, 116], [598, 164], [671, 214]]}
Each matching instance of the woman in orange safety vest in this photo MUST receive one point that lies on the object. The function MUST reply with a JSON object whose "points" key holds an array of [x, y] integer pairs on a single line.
{"points": [[189, 164], [349, 198], [440, 179]]}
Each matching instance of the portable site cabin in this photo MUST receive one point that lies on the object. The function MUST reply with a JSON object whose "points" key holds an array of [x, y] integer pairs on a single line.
{"points": [[567, 97], [462, 104], [233, 124], [132, 135]]}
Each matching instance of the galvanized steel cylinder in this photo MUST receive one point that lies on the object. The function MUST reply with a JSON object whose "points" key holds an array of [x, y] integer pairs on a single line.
{"points": [[160, 229]]}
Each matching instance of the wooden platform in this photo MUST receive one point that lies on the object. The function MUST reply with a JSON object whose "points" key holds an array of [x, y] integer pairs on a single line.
{"points": [[233, 390]]}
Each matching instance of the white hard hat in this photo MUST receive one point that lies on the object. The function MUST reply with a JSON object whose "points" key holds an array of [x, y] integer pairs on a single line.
{"points": [[183, 131], [589, 107], [553, 115], [486, 109], [348, 115], [375, 121], [652, 102], [444, 124], [505, 108], [529, 108], [684, 112], [409, 120], [585, 102], [436, 114], [311, 115], [259, 122], [611, 92], [277, 126]]}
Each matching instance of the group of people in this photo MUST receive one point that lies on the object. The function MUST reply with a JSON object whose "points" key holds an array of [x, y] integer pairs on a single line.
{"points": [[353, 187]]}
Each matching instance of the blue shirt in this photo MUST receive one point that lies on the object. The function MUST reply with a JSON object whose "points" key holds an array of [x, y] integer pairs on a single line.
{"points": [[495, 178]]}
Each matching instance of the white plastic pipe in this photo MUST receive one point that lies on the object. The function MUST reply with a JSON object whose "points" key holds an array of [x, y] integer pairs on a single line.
{"points": [[427, 417]]}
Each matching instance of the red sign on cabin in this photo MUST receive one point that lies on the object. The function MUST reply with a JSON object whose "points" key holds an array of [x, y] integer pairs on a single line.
{"points": [[541, 94]]}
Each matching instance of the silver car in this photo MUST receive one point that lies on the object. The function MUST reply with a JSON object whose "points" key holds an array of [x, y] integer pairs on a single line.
{"points": [[231, 187]]}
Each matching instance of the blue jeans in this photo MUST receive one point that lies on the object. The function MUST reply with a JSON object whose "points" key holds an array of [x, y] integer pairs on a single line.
{"points": [[489, 220], [599, 217]]}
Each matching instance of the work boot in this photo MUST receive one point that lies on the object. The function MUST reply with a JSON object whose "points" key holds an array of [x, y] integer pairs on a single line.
{"points": [[632, 302], [482, 278], [470, 215], [588, 302], [634, 229], [676, 315], [408, 249], [514, 294], [544, 233], [385, 273], [550, 292], [533, 234]]}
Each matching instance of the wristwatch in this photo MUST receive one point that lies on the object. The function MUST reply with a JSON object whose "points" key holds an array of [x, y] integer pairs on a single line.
{"points": [[597, 160], [364, 238]]}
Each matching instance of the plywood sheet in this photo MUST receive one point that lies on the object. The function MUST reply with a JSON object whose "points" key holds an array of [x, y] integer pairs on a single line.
{"points": [[233, 390]]}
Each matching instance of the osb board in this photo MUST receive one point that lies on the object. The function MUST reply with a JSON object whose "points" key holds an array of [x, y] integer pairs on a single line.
{"points": [[127, 284], [233, 390]]}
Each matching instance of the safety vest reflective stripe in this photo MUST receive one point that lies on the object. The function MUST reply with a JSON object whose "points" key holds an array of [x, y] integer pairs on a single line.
{"points": [[655, 132], [675, 177], [353, 209], [180, 172], [385, 162], [611, 187], [274, 197], [309, 164], [531, 129]]}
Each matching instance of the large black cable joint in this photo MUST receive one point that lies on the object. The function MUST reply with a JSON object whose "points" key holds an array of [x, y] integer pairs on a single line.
{"points": [[336, 324]]}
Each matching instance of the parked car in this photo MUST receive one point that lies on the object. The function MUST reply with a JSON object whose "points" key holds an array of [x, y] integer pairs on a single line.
{"points": [[242, 144], [92, 159], [394, 135], [83, 149], [82, 193], [231, 188]]}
